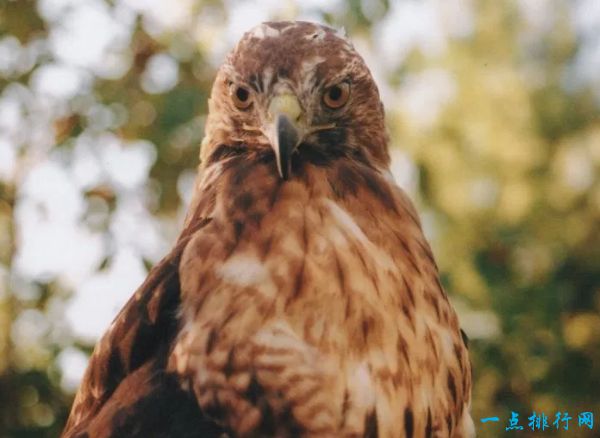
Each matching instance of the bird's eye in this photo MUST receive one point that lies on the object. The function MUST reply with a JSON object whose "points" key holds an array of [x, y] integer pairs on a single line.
{"points": [[241, 97], [337, 95]]}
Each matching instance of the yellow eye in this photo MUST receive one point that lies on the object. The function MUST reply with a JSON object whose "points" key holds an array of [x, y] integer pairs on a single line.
{"points": [[337, 95], [241, 97]]}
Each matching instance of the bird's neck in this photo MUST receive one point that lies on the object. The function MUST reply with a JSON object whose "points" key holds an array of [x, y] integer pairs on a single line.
{"points": [[242, 184]]}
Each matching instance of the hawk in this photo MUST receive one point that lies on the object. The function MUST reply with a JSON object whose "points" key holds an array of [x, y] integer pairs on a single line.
{"points": [[301, 298]]}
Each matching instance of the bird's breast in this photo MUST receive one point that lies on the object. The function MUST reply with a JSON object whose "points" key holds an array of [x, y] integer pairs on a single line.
{"points": [[310, 261], [292, 282]]}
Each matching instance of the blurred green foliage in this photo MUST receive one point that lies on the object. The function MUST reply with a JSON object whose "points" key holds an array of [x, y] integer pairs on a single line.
{"points": [[515, 225]]}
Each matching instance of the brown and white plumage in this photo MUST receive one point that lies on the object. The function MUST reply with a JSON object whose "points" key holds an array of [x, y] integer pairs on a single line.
{"points": [[302, 298]]}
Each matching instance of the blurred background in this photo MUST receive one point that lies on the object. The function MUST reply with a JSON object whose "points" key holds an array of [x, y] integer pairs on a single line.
{"points": [[494, 113]]}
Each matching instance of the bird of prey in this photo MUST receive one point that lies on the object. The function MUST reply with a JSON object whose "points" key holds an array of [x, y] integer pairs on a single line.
{"points": [[301, 298]]}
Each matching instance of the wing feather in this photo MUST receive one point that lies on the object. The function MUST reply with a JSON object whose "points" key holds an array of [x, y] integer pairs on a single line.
{"points": [[127, 368]]}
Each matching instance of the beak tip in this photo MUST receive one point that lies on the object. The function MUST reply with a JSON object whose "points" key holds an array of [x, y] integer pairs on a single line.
{"points": [[283, 172]]}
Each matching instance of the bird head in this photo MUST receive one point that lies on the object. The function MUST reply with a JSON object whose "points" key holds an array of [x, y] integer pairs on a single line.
{"points": [[301, 91]]}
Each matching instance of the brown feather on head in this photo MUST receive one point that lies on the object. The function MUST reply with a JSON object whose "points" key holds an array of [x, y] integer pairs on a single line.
{"points": [[299, 90]]}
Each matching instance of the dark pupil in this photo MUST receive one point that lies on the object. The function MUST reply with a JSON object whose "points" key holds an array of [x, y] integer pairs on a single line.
{"points": [[335, 93], [242, 94]]}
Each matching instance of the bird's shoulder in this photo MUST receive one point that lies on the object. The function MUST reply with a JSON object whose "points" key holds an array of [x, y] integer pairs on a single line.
{"points": [[132, 353]]}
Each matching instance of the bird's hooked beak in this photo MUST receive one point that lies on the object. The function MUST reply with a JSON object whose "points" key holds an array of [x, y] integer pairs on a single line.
{"points": [[284, 133]]}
